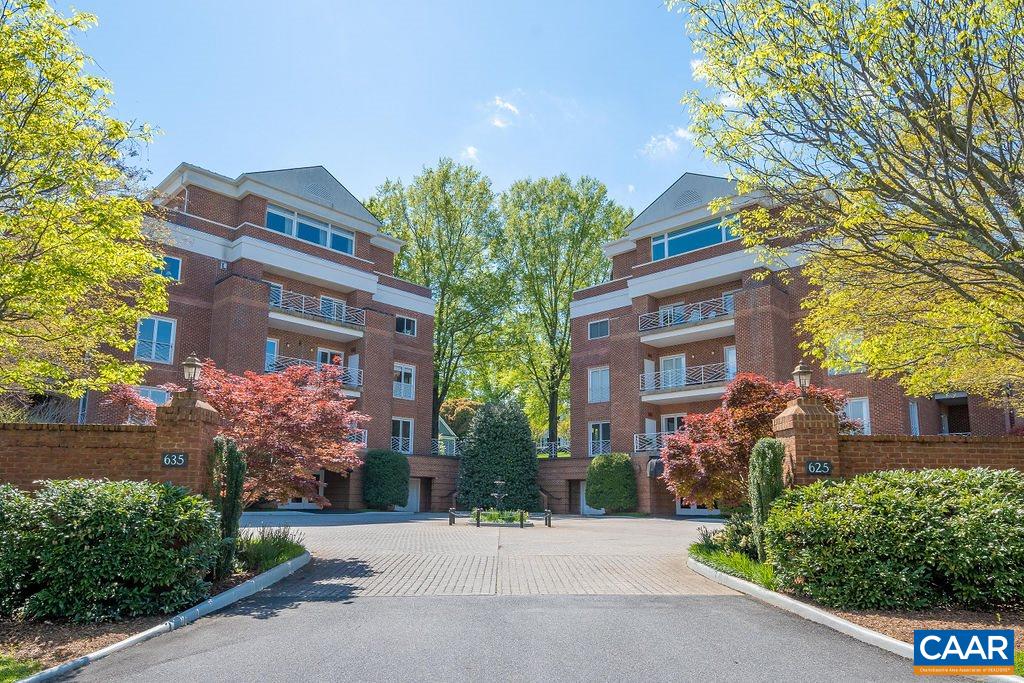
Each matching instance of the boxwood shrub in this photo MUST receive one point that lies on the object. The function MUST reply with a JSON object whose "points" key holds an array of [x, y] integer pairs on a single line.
{"points": [[385, 479], [611, 483], [903, 540], [93, 550]]}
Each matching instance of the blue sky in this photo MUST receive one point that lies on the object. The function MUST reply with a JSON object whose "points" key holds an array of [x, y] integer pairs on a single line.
{"points": [[373, 90]]}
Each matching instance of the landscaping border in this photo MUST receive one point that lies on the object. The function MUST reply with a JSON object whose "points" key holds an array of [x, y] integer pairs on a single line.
{"points": [[815, 614], [217, 602]]}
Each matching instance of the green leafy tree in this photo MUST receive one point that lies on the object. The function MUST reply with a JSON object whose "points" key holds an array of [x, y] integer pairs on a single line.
{"points": [[499, 448], [77, 271], [550, 246], [887, 135], [611, 483], [446, 217], [765, 485], [459, 414], [385, 479]]}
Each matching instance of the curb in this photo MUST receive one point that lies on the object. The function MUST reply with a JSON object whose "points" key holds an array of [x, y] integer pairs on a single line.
{"points": [[217, 602], [819, 616]]}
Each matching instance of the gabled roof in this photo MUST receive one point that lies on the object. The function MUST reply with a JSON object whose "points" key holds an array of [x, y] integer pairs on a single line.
{"points": [[316, 184], [690, 191]]}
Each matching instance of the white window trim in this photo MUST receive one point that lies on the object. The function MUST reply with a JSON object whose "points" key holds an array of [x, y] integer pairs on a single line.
{"points": [[866, 423], [328, 228], [678, 416], [173, 344], [415, 326], [914, 418], [590, 384], [590, 436], [412, 432], [602, 320], [178, 259], [412, 384], [330, 353], [673, 356]]}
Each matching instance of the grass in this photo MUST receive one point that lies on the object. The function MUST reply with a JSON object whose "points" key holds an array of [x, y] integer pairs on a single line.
{"points": [[735, 564], [268, 547], [501, 516], [1018, 663], [12, 669]]}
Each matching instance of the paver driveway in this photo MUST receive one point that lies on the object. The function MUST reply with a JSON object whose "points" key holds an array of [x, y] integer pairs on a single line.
{"points": [[425, 556], [413, 599]]}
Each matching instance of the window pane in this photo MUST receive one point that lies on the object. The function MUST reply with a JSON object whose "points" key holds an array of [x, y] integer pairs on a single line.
{"points": [[310, 233], [342, 242], [694, 239], [598, 329], [145, 331], [657, 250], [279, 223], [172, 268]]}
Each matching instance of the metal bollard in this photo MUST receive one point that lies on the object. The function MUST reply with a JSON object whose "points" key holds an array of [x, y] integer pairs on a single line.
{"points": [[521, 519], [547, 518], [477, 511], [451, 516]]}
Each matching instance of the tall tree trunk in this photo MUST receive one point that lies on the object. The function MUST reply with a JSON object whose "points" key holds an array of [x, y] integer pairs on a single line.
{"points": [[552, 405], [435, 413]]}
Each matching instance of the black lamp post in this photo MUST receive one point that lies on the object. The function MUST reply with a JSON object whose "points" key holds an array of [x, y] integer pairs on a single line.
{"points": [[802, 377], [192, 367]]}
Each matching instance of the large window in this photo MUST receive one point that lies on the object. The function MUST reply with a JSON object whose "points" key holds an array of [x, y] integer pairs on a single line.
{"points": [[172, 268], [690, 239], [597, 329], [155, 394], [405, 381], [310, 230], [598, 390], [858, 409], [406, 326], [401, 435], [154, 340], [599, 441]]}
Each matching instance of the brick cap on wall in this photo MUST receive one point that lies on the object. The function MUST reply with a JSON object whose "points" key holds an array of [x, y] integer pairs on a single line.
{"points": [[804, 412], [189, 405]]}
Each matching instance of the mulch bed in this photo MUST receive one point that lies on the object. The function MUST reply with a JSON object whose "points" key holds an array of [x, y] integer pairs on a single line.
{"points": [[901, 625], [55, 642]]}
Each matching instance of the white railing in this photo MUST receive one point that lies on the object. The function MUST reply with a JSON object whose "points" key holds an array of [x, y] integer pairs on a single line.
{"points": [[691, 376], [683, 314], [350, 377], [403, 390], [650, 442], [313, 307], [448, 446], [357, 436], [551, 449], [401, 444], [602, 447]]}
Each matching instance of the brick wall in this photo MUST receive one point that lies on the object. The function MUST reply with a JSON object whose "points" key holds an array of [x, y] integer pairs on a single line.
{"points": [[32, 452]]}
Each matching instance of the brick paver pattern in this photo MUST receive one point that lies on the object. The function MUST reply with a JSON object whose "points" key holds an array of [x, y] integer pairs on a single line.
{"points": [[428, 557]]}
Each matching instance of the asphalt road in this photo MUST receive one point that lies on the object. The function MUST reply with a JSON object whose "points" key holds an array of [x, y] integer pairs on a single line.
{"points": [[354, 614]]}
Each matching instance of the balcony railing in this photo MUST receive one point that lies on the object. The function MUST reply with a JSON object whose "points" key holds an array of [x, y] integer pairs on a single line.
{"points": [[546, 449], [697, 375], [645, 443], [447, 446], [684, 314], [601, 447], [328, 310], [357, 436], [156, 352], [401, 444], [350, 377]]}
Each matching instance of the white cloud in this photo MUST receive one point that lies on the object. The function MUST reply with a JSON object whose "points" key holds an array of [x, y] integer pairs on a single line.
{"points": [[506, 105], [499, 122], [665, 144], [630, 189], [469, 154], [697, 69], [730, 100]]}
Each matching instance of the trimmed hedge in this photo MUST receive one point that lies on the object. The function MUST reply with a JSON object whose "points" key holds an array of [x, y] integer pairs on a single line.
{"points": [[611, 483], [903, 540], [385, 479], [93, 550], [499, 447]]}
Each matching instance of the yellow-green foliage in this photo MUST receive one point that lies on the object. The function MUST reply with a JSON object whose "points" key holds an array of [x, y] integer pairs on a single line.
{"points": [[76, 271]]}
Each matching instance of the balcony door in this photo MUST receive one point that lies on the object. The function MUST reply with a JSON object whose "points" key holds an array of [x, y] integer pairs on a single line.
{"points": [[673, 371], [729, 353], [672, 423], [600, 438], [329, 357]]}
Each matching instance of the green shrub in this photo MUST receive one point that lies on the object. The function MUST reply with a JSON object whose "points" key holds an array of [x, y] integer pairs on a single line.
{"points": [[268, 547], [899, 539], [765, 485], [504, 516], [95, 550], [737, 535], [385, 479], [611, 483], [230, 477], [499, 447]]}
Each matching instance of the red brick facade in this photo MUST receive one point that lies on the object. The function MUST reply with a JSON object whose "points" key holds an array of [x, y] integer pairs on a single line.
{"points": [[221, 304]]}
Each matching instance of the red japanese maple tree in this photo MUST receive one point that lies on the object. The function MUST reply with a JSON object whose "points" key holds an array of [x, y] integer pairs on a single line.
{"points": [[289, 424], [707, 459]]}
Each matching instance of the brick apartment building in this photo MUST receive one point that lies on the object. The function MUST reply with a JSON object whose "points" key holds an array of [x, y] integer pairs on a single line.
{"points": [[285, 267], [681, 314]]}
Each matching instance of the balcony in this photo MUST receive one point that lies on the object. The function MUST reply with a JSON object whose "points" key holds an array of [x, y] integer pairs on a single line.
{"points": [[351, 378], [599, 447], [697, 383], [689, 322], [650, 443], [446, 446], [358, 437], [322, 317], [552, 449], [401, 444]]}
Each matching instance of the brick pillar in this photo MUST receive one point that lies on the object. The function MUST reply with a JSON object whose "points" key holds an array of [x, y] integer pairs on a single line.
{"points": [[809, 431], [240, 319], [764, 331], [187, 425]]}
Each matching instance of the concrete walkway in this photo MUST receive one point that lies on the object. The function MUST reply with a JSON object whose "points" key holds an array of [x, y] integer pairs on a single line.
{"points": [[402, 597]]}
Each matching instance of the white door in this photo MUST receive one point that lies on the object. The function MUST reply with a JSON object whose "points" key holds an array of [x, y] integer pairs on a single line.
{"points": [[413, 504], [730, 361], [584, 508], [353, 361], [650, 425], [648, 381], [673, 371]]}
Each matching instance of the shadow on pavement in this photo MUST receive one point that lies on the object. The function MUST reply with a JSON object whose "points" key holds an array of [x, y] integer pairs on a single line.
{"points": [[322, 580]]}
